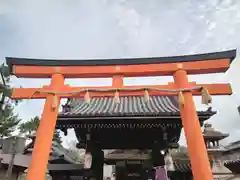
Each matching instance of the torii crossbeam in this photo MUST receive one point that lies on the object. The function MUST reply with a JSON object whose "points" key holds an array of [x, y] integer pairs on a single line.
{"points": [[178, 66]]}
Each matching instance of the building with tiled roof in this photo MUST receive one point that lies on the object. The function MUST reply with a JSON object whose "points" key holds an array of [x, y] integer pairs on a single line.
{"points": [[216, 152], [212, 136], [103, 115], [232, 157], [129, 124], [181, 162], [61, 163]]}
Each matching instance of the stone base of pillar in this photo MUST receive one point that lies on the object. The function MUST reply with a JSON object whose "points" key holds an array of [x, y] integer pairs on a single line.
{"points": [[23, 176]]}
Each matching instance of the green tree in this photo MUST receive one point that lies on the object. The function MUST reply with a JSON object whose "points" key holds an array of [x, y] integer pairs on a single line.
{"points": [[30, 127], [5, 88], [8, 119]]}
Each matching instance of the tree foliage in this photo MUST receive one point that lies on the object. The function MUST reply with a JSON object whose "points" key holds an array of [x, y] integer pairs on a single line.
{"points": [[5, 88], [30, 127], [8, 119]]}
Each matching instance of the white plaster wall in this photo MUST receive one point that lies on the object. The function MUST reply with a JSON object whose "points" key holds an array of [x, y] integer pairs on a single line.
{"points": [[107, 171]]}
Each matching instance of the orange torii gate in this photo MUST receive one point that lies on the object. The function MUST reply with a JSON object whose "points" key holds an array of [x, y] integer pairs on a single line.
{"points": [[178, 66]]}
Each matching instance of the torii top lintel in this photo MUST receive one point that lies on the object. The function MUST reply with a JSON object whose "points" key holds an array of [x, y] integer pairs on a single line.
{"points": [[154, 66]]}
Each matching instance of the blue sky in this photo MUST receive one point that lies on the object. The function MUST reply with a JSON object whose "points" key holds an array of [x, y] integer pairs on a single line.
{"points": [[78, 29]]}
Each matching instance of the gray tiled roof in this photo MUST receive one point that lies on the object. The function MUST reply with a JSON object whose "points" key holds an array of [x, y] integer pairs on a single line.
{"points": [[233, 146], [129, 106], [233, 165], [133, 105], [182, 166], [214, 134], [210, 133], [57, 151]]}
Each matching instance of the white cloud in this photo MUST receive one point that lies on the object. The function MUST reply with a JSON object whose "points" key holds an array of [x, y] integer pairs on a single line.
{"points": [[105, 29]]}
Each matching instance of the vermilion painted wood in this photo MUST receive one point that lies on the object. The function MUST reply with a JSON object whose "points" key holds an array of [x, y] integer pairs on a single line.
{"points": [[200, 67], [201, 168], [27, 93], [117, 82], [42, 145]]}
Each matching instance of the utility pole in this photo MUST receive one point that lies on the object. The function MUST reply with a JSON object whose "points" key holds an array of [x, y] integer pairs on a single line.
{"points": [[2, 101], [3, 96], [11, 163]]}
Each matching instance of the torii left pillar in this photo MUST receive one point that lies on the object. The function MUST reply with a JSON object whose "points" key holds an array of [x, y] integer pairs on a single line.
{"points": [[43, 143]]}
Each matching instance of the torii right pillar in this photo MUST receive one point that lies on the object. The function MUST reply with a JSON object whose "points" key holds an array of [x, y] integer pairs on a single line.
{"points": [[201, 168]]}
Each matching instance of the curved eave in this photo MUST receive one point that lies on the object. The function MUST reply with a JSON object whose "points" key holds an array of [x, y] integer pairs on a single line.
{"points": [[66, 167], [233, 165], [216, 138], [216, 150], [182, 166], [231, 54], [62, 159], [203, 115]]}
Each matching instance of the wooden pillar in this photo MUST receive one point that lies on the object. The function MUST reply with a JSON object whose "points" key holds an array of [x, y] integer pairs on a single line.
{"points": [[99, 165], [120, 170], [144, 173], [196, 147], [97, 159], [43, 143], [157, 157]]}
